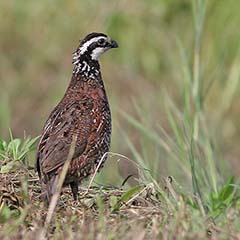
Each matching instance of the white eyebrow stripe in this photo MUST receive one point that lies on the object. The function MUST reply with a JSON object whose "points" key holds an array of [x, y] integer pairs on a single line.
{"points": [[84, 47]]}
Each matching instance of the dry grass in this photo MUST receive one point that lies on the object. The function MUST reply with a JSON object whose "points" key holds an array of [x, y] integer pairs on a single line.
{"points": [[104, 213]]}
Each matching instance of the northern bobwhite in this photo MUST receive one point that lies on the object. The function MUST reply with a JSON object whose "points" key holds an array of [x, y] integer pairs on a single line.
{"points": [[84, 112]]}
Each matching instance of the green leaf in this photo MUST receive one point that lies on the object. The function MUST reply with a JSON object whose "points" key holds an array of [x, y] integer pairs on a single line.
{"points": [[3, 145], [100, 204], [227, 190], [113, 201], [14, 147], [5, 213], [126, 196]]}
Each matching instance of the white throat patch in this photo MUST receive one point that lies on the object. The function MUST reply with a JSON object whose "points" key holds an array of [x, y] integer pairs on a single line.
{"points": [[97, 52]]}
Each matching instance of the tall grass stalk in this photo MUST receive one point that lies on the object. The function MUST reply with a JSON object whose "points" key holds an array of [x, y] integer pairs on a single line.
{"points": [[189, 144]]}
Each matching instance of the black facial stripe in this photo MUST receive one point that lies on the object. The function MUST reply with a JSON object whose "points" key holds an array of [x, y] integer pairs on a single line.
{"points": [[95, 45], [92, 35]]}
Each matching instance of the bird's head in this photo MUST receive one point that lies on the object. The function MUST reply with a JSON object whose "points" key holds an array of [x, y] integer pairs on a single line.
{"points": [[94, 45]]}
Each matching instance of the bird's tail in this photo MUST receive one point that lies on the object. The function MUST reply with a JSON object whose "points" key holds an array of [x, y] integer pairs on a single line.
{"points": [[49, 188]]}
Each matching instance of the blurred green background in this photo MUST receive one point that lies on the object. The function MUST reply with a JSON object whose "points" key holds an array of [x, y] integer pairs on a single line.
{"points": [[37, 39]]}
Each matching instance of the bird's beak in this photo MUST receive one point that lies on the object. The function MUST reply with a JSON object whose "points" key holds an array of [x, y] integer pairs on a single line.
{"points": [[113, 44]]}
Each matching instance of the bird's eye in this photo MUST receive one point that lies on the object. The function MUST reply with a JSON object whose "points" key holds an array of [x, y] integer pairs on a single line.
{"points": [[101, 41]]}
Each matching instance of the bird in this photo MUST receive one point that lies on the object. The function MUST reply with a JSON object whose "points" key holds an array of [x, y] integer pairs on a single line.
{"points": [[83, 112]]}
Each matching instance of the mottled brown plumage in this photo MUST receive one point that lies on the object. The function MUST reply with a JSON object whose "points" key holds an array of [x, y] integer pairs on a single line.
{"points": [[84, 112]]}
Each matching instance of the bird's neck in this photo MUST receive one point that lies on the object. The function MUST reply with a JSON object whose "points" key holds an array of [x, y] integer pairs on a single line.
{"points": [[86, 72], [86, 67]]}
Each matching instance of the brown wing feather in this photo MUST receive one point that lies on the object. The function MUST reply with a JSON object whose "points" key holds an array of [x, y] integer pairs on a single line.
{"points": [[64, 122]]}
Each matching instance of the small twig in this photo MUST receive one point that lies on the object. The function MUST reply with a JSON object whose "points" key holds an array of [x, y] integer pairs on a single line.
{"points": [[228, 233], [170, 188], [95, 172], [200, 204], [29, 180], [126, 179], [56, 195], [139, 193], [100, 162]]}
